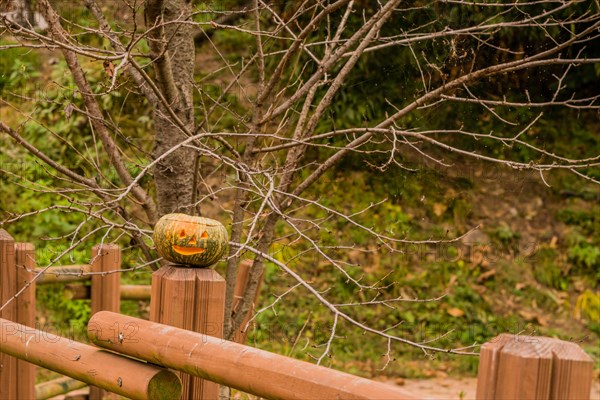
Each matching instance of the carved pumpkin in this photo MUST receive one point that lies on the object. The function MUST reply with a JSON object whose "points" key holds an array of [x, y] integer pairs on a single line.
{"points": [[195, 241]]}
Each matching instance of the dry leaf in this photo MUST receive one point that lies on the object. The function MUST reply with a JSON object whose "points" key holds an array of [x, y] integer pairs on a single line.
{"points": [[439, 209], [109, 68], [453, 280], [456, 312], [527, 315], [486, 275], [532, 316], [479, 289], [69, 110], [441, 375], [477, 258]]}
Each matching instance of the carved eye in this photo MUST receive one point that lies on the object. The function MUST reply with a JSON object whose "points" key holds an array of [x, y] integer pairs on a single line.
{"points": [[182, 234], [204, 235], [192, 241]]}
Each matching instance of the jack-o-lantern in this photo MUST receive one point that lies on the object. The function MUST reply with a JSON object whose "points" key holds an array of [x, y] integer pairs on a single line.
{"points": [[195, 241]]}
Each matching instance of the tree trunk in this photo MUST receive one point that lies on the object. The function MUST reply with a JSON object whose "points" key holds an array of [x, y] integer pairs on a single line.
{"points": [[172, 46]]}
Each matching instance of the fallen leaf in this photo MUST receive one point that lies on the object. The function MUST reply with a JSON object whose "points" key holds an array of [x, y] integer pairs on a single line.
{"points": [[453, 280], [441, 374], [486, 275], [479, 289], [532, 316], [521, 286], [456, 312], [527, 315], [439, 209], [477, 258]]}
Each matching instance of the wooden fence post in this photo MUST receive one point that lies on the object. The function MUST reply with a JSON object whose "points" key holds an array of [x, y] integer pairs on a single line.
{"points": [[530, 367], [8, 288], [105, 294], [25, 267], [192, 299], [106, 287]]}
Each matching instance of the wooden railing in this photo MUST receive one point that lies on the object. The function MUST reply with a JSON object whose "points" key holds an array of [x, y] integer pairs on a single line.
{"points": [[511, 366]]}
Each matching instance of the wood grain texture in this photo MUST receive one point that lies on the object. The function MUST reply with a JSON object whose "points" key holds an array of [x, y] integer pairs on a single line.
{"points": [[248, 369], [105, 294], [25, 267], [8, 288], [192, 299], [531, 367], [106, 287], [115, 373]]}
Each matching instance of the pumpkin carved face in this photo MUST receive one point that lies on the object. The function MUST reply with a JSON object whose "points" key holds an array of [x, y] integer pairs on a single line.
{"points": [[194, 241]]}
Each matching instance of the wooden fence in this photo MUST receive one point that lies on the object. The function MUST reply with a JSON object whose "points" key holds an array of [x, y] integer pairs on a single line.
{"points": [[181, 354]]}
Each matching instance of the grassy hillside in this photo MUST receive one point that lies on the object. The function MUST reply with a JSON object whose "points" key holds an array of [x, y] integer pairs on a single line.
{"points": [[530, 268]]}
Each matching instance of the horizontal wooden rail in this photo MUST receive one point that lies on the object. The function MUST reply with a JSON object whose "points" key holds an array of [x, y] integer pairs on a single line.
{"points": [[89, 364], [251, 370], [135, 292], [64, 274], [128, 292], [77, 291], [57, 387]]}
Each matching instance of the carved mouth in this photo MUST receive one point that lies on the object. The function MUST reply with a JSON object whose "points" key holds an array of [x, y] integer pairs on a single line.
{"points": [[188, 251]]}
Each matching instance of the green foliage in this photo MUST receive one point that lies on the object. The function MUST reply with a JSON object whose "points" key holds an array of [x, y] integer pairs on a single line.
{"points": [[583, 241], [27, 185], [588, 222], [68, 317], [549, 270], [505, 234], [586, 257], [17, 66], [588, 305], [237, 45]]}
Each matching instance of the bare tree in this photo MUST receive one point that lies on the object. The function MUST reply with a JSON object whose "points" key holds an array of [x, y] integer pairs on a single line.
{"points": [[302, 56]]}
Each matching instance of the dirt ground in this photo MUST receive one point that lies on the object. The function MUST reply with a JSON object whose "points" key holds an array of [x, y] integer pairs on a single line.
{"points": [[455, 388]]}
